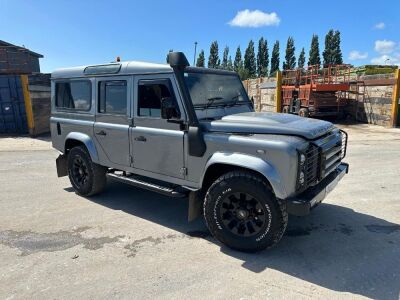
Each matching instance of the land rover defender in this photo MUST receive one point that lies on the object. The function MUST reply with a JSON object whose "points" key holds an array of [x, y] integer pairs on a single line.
{"points": [[192, 132]]}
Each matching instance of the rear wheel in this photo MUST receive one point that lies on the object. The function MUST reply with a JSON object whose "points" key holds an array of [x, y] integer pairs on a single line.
{"points": [[242, 212], [87, 178]]}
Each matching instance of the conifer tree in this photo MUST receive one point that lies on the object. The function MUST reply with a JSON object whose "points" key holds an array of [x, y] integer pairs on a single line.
{"points": [[290, 59], [238, 63], [275, 59], [250, 60], [200, 60], [302, 59], [225, 58], [213, 59], [262, 58], [314, 57]]}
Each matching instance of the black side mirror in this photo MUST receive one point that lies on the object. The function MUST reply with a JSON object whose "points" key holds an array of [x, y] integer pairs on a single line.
{"points": [[169, 109]]}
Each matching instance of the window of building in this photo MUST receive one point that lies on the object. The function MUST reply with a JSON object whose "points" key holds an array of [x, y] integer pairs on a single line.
{"points": [[74, 95]]}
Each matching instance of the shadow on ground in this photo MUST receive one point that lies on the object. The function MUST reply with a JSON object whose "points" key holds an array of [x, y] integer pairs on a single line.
{"points": [[335, 247]]}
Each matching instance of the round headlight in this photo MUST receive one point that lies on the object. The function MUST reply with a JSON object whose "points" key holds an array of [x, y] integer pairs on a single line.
{"points": [[301, 178], [302, 159]]}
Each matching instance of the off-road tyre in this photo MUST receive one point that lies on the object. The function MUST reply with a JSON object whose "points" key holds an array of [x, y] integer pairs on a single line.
{"points": [[254, 186], [303, 112], [94, 175]]}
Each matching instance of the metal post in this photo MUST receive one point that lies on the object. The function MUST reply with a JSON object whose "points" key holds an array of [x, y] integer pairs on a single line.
{"points": [[194, 58], [278, 95], [396, 99]]}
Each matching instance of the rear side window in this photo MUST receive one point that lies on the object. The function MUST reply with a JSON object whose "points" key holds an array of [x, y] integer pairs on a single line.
{"points": [[74, 95], [150, 95], [113, 97]]}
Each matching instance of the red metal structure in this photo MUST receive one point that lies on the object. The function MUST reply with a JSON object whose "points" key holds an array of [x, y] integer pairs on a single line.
{"points": [[315, 91]]}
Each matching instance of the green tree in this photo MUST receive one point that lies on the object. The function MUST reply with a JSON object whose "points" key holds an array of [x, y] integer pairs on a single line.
{"points": [[275, 59], [225, 58], [337, 51], [314, 57], [328, 53], [230, 64], [200, 60], [302, 59], [213, 59], [250, 60], [290, 58], [262, 58], [238, 63]]}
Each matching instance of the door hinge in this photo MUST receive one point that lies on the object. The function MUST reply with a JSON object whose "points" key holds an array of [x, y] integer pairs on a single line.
{"points": [[184, 171]]}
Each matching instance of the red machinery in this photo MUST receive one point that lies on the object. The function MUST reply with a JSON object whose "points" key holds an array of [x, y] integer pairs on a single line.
{"points": [[314, 91]]}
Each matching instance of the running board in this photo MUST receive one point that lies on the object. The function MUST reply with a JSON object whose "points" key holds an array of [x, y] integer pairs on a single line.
{"points": [[167, 191]]}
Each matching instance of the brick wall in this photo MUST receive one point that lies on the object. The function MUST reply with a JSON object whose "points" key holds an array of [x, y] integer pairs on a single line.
{"points": [[263, 91]]}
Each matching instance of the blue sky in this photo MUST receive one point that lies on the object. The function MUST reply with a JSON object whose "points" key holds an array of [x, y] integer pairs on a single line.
{"points": [[70, 33]]}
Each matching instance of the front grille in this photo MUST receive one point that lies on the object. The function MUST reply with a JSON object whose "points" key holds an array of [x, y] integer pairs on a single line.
{"points": [[323, 156]]}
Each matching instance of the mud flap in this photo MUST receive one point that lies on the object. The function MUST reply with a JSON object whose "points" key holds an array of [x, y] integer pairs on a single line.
{"points": [[61, 164], [195, 205]]}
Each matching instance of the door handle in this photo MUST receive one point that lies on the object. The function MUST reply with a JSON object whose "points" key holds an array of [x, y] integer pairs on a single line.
{"points": [[140, 138], [101, 132]]}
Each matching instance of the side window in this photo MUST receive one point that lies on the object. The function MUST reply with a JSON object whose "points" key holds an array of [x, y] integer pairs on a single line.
{"points": [[74, 95], [151, 92], [113, 97]]}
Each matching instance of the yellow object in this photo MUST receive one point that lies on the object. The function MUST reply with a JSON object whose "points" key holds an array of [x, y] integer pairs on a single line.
{"points": [[278, 91], [28, 103], [395, 100]]}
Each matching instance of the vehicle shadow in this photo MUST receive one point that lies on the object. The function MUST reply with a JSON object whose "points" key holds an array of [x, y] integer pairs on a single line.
{"points": [[335, 247]]}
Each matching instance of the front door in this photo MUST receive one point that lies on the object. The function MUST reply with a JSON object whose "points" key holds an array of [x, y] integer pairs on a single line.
{"points": [[111, 128], [157, 144]]}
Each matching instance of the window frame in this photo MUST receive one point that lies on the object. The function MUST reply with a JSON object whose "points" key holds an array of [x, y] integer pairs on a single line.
{"points": [[63, 108], [99, 83], [167, 82]]}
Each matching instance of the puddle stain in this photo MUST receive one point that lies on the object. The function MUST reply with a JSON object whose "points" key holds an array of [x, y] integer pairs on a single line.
{"points": [[29, 242], [134, 247]]}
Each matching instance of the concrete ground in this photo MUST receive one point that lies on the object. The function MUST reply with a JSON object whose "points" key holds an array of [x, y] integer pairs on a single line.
{"points": [[129, 243]]}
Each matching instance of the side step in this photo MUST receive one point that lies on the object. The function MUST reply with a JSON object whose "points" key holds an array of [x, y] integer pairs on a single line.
{"points": [[167, 191]]}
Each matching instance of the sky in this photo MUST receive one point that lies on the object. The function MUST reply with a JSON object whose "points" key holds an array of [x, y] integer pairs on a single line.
{"points": [[72, 33]]}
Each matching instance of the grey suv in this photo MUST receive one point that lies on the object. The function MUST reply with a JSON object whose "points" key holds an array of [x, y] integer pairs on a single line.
{"points": [[192, 132]]}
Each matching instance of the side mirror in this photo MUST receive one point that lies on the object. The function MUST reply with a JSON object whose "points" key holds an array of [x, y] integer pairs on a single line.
{"points": [[168, 109]]}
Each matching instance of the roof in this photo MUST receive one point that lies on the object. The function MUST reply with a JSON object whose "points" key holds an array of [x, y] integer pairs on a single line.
{"points": [[127, 67], [5, 44]]}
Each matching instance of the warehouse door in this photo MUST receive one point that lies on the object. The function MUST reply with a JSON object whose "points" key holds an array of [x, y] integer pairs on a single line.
{"points": [[12, 105]]}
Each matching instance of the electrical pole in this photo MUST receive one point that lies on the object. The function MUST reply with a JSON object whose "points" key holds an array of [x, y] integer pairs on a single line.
{"points": [[194, 58]]}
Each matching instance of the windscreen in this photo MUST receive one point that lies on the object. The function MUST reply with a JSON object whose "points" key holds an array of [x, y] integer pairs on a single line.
{"points": [[215, 90]]}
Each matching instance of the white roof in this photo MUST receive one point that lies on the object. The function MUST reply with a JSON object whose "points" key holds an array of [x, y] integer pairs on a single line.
{"points": [[127, 67]]}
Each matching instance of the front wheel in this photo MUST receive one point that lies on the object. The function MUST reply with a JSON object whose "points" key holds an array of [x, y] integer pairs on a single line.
{"points": [[242, 212], [87, 178]]}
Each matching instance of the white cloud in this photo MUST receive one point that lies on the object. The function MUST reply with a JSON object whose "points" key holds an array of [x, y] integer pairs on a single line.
{"points": [[387, 59], [254, 18], [384, 46], [356, 55], [380, 26]]}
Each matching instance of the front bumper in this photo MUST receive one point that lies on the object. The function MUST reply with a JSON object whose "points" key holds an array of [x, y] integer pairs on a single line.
{"points": [[302, 204]]}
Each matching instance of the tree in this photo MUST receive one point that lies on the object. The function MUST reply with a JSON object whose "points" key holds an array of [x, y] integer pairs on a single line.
{"points": [[314, 57], [302, 59], [290, 59], [250, 60], [200, 60], [328, 53], [274, 59], [225, 58], [262, 58], [230, 64], [213, 59], [337, 51], [238, 63]]}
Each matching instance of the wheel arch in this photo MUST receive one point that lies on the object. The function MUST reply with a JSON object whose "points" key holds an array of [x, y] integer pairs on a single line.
{"points": [[221, 163], [74, 139]]}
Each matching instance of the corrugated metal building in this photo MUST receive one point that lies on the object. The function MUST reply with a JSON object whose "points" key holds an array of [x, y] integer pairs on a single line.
{"points": [[24, 91]]}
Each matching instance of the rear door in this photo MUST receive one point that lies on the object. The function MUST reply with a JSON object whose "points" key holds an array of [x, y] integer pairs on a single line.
{"points": [[111, 128], [158, 144]]}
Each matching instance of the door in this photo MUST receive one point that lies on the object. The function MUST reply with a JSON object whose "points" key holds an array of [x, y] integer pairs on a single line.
{"points": [[158, 144], [111, 128]]}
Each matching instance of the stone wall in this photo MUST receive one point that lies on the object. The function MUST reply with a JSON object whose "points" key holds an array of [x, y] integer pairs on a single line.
{"points": [[263, 91]]}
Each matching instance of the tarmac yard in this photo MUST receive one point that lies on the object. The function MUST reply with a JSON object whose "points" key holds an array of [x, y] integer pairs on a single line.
{"points": [[132, 244]]}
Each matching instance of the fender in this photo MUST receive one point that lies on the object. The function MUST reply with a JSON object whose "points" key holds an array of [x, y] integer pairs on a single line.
{"points": [[253, 163], [87, 141]]}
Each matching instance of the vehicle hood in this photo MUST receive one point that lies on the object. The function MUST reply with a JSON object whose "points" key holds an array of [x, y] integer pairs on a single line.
{"points": [[269, 123]]}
